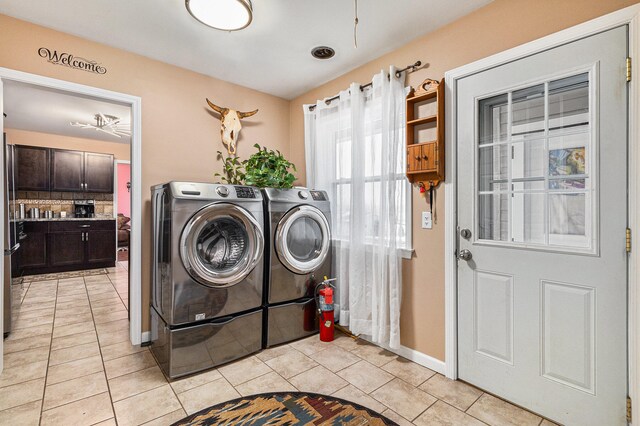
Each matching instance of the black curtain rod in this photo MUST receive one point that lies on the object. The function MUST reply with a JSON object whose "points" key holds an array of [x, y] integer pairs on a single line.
{"points": [[410, 68]]}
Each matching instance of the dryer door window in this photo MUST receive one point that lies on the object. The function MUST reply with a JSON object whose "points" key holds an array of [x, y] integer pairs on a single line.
{"points": [[303, 239], [221, 245]]}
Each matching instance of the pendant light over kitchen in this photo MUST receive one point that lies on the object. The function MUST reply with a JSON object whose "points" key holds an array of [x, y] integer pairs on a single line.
{"points": [[225, 15]]}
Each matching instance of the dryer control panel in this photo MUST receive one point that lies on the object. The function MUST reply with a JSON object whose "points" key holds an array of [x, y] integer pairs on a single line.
{"points": [[245, 192], [318, 196]]}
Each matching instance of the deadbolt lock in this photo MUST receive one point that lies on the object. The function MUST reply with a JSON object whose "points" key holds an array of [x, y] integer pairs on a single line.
{"points": [[465, 233]]}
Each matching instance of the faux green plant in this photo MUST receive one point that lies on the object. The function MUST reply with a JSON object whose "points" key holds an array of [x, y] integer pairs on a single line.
{"points": [[268, 169], [233, 170]]}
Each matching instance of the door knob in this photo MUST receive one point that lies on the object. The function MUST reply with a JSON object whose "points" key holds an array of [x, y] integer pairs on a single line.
{"points": [[465, 255], [465, 233]]}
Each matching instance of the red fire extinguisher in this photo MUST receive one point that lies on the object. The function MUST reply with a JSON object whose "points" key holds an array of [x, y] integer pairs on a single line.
{"points": [[325, 309]]}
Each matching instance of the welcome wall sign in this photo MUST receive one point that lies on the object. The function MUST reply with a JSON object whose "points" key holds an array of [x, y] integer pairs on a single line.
{"points": [[68, 60]]}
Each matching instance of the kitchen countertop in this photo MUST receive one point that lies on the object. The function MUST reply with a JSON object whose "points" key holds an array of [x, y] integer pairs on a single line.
{"points": [[61, 219]]}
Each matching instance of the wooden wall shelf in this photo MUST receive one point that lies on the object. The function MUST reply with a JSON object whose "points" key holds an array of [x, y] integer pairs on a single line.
{"points": [[425, 134]]}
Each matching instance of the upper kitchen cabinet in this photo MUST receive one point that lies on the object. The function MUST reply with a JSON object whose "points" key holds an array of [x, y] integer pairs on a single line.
{"points": [[31, 168], [67, 170], [98, 172], [79, 171]]}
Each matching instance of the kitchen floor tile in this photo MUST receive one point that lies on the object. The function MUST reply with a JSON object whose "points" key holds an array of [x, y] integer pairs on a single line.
{"points": [[497, 412], [129, 364], [168, 419], [291, 364], [23, 373], [184, 384], [443, 414], [20, 394], [74, 390], [244, 370], [270, 382], [131, 384], [120, 349], [453, 392], [207, 395], [74, 369], [334, 358], [366, 377], [74, 353], [24, 415], [373, 354], [18, 345], [403, 398], [146, 406], [353, 394], [318, 380], [408, 371], [86, 411], [74, 340]]}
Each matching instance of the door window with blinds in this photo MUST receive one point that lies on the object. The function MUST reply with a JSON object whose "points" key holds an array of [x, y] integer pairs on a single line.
{"points": [[536, 167]]}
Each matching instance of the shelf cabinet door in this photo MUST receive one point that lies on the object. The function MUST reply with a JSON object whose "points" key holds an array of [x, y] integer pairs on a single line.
{"points": [[414, 158], [67, 170], [429, 160], [98, 172], [101, 247], [66, 249], [31, 168]]}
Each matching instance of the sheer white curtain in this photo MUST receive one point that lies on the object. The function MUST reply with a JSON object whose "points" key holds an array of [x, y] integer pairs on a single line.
{"points": [[355, 151]]}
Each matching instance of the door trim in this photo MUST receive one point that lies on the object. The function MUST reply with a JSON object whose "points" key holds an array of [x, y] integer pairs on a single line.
{"points": [[135, 242], [628, 16]]}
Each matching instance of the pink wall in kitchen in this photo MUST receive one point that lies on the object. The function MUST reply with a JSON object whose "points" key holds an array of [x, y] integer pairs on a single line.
{"points": [[124, 200]]}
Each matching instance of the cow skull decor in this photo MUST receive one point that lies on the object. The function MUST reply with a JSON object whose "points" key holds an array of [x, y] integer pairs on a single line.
{"points": [[230, 129]]}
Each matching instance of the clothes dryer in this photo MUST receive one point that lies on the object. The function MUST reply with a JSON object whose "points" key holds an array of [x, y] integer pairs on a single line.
{"points": [[298, 229]]}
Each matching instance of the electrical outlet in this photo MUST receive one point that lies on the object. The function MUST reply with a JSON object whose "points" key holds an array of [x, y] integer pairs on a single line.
{"points": [[426, 220]]}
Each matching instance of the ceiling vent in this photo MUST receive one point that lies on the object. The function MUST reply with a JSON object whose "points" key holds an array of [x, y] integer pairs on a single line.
{"points": [[323, 52]]}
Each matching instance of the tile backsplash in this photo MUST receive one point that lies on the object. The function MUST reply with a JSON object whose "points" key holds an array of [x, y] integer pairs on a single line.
{"points": [[63, 202]]}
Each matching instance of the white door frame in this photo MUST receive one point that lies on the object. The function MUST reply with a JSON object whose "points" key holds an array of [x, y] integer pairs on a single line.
{"points": [[627, 16], [135, 243]]}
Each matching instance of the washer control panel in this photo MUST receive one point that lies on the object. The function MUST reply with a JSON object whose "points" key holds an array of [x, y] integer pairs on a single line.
{"points": [[222, 191], [318, 196], [245, 192]]}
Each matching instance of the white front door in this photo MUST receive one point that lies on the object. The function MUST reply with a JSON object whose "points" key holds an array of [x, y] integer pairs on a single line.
{"points": [[542, 216]]}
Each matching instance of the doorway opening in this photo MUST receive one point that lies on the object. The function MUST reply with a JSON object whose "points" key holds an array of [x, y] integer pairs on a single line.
{"points": [[77, 190]]}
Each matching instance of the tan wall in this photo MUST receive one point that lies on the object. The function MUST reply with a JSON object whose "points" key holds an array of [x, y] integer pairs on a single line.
{"points": [[496, 27], [121, 151], [179, 136]]}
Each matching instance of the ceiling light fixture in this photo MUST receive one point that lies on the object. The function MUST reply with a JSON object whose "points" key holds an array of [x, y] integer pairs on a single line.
{"points": [[226, 15], [106, 124]]}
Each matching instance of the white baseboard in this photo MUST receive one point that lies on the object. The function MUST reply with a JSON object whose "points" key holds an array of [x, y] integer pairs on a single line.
{"points": [[415, 356], [146, 336]]}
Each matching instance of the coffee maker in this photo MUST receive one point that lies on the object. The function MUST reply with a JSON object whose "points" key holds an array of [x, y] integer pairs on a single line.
{"points": [[84, 208]]}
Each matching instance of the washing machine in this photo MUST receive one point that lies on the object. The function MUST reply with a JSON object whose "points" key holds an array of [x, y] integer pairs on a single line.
{"points": [[207, 275], [298, 229]]}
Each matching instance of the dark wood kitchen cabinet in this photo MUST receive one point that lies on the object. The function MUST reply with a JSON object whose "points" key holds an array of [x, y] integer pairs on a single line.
{"points": [[98, 172], [33, 249], [68, 245], [31, 168], [101, 247], [66, 249], [79, 171], [67, 170]]}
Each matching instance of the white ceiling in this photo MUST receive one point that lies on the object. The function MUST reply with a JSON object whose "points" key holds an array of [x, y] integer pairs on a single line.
{"points": [[43, 110], [271, 55]]}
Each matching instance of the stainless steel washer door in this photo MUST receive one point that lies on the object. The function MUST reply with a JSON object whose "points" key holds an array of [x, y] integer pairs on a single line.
{"points": [[221, 244], [303, 239]]}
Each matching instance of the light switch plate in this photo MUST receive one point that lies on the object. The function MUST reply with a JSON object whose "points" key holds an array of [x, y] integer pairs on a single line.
{"points": [[426, 220]]}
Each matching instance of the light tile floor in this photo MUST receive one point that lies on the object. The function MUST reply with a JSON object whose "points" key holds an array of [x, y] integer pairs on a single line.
{"points": [[69, 362]]}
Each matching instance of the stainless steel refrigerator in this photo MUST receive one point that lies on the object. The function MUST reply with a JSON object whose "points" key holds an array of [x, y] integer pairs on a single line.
{"points": [[11, 243]]}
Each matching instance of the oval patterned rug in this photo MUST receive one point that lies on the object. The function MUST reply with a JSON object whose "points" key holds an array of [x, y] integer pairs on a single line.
{"points": [[286, 408]]}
